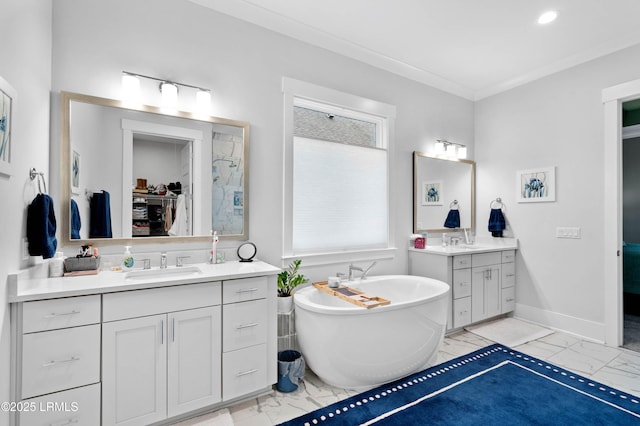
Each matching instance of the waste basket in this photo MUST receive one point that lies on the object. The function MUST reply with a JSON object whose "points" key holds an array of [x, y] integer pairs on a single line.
{"points": [[290, 369]]}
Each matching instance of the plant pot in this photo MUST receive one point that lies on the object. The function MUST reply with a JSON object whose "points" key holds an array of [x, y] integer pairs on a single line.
{"points": [[285, 304]]}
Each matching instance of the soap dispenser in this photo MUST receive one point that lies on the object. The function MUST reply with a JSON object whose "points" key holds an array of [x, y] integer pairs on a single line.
{"points": [[127, 260]]}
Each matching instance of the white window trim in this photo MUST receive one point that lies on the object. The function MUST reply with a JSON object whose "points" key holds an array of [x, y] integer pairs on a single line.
{"points": [[301, 93]]}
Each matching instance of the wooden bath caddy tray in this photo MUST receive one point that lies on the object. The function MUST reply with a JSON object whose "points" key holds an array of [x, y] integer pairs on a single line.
{"points": [[352, 295]]}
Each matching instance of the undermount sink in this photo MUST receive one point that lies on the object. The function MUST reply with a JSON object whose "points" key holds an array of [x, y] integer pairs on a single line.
{"points": [[175, 272]]}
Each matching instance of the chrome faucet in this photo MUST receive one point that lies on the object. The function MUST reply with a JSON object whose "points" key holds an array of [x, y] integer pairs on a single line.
{"points": [[163, 260], [352, 268], [179, 260]]}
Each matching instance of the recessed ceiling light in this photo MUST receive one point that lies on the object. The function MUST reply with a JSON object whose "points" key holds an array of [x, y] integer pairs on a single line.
{"points": [[547, 17]]}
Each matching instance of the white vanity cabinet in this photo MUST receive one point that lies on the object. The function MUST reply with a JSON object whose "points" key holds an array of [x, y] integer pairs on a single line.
{"points": [[485, 285], [115, 352], [58, 354], [482, 284], [244, 344], [166, 362]]}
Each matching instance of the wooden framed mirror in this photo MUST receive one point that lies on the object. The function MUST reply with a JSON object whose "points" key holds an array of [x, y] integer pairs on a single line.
{"points": [[168, 177]]}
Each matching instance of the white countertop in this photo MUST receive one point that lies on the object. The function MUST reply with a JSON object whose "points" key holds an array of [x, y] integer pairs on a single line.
{"points": [[25, 286], [481, 246]]}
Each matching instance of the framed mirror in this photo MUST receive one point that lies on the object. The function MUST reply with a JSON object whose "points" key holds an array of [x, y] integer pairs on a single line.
{"points": [[142, 174], [440, 185]]}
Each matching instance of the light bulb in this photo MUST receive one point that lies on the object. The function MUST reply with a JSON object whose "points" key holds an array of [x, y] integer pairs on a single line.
{"points": [[451, 150], [462, 152], [130, 88], [169, 94], [203, 101], [439, 147]]}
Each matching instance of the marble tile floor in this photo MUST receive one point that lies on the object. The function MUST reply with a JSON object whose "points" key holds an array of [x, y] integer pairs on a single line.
{"points": [[615, 367]]}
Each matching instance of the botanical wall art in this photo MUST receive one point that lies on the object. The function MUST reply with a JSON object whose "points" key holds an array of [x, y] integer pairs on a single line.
{"points": [[75, 173], [536, 185], [432, 193]]}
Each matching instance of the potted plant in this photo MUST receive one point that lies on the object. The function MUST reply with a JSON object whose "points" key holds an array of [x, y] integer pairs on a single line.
{"points": [[289, 279]]}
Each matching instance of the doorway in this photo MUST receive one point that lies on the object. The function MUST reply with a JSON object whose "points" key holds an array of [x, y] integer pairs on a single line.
{"points": [[613, 98], [631, 224]]}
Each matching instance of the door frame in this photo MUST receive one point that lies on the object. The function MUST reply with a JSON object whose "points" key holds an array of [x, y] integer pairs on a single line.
{"points": [[612, 99]]}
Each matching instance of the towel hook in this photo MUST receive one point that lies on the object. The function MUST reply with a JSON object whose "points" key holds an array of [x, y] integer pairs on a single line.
{"points": [[497, 201], [454, 204], [33, 174]]}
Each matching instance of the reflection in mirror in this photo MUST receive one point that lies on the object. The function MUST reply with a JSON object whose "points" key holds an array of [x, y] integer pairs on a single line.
{"points": [[144, 175], [227, 168], [440, 186]]}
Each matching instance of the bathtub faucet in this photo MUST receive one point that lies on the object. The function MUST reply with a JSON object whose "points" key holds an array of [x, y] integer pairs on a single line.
{"points": [[352, 268]]}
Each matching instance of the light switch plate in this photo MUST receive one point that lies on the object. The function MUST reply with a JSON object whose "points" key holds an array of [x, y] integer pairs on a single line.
{"points": [[567, 232]]}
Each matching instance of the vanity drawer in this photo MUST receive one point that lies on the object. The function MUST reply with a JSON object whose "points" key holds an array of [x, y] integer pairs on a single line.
{"points": [[80, 406], [508, 256], [508, 299], [244, 289], [463, 261], [461, 283], [244, 371], [486, 259], [160, 300], [508, 275], [52, 314], [60, 359], [244, 324], [461, 312]]}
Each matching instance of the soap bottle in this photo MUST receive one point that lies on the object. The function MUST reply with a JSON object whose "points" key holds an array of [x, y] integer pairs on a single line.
{"points": [[127, 260], [213, 258]]}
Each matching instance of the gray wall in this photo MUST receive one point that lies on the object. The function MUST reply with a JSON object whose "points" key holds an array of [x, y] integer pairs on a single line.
{"points": [[556, 121], [25, 31], [94, 41]]}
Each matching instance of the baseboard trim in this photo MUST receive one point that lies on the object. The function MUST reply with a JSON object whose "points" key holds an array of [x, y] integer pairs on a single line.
{"points": [[589, 330]]}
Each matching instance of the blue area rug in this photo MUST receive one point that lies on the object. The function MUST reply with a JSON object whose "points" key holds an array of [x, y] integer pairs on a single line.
{"points": [[493, 386]]}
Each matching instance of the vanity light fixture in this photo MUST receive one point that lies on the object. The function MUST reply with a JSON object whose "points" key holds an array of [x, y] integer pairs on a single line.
{"points": [[450, 149], [169, 90]]}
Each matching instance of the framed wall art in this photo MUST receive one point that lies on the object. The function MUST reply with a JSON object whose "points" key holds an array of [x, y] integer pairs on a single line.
{"points": [[7, 108], [432, 193], [75, 173], [536, 185]]}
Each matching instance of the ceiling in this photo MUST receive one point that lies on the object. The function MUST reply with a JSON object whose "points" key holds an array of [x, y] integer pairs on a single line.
{"points": [[470, 48]]}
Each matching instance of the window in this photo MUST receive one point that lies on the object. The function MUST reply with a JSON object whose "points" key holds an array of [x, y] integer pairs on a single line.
{"points": [[336, 175]]}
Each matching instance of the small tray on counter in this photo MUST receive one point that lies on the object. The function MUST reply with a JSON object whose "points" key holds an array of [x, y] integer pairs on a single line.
{"points": [[74, 264]]}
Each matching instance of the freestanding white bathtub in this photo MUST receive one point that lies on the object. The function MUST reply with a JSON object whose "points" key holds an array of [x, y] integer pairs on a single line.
{"points": [[352, 347]]}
